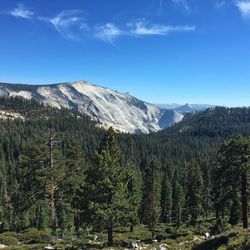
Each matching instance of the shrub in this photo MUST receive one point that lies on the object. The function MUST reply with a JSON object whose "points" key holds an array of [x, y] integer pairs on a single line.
{"points": [[27, 247], [240, 242], [170, 230], [201, 230], [17, 248], [12, 234], [216, 242], [35, 236], [8, 240]]}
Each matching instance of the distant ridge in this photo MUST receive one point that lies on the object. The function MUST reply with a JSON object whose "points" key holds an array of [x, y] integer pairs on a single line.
{"points": [[187, 108]]}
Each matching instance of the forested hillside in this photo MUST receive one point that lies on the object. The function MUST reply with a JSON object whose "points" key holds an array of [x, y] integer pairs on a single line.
{"points": [[215, 122], [63, 175]]}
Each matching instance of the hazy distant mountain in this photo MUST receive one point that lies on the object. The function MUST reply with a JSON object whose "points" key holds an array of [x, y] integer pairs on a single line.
{"points": [[122, 111], [184, 109], [187, 108], [169, 106]]}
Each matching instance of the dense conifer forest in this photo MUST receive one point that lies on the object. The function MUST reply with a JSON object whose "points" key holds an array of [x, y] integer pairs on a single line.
{"points": [[63, 177]]}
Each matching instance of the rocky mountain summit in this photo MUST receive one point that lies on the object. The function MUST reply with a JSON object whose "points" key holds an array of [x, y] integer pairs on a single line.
{"points": [[122, 111]]}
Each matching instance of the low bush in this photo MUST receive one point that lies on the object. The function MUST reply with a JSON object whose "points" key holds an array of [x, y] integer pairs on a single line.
{"points": [[28, 247], [241, 242], [216, 242], [12, 234], [35, 236], [8, 240]]}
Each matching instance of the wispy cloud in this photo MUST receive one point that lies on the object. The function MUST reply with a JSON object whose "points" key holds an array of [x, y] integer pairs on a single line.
{"points": [[244, 8], [183, 5], [143, 28], [69, 23], [21, 12], [108, 32]]}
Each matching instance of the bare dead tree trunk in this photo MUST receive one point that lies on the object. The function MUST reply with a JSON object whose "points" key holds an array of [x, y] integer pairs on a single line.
{"points": [[53, 210], [53, 188]]}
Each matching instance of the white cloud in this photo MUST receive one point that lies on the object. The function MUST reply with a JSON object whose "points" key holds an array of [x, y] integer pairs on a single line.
{"points": [[142, 28], [71, 25], [183, 5], [244, 8], [108, 32], [21, 12], [68, 23]]}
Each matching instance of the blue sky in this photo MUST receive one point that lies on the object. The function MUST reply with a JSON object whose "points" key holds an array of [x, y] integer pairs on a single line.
{"points": [[161, 51]]}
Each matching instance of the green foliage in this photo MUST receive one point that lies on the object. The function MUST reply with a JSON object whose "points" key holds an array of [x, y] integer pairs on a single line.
{"points": [[241, 241], [235, 210], [194, 194], [151, 195], [178, 197], [166, 199], [215, 242], [232, 173], [8, 239], [35, 236], [106, 186], [134, 195], [163, 190]]}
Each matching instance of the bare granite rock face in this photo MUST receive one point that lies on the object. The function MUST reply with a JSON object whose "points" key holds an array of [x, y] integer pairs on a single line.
{"points": [[122, 111]]}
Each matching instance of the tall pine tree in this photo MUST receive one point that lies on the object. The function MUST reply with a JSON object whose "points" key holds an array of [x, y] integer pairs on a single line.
{"points": [[151, 195], [194, 194], [106, 186], [234, 159], [178, 199], [166, 199]]}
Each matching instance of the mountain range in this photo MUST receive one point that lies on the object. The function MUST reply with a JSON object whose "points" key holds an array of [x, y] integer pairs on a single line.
{"points": [[187, 108], [122, 111]]}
